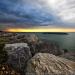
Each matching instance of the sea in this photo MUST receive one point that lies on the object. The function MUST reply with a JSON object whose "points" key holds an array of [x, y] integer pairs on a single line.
{"points": [[65, 41]]}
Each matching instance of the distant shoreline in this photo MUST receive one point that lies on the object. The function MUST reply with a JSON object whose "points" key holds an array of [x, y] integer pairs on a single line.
{"points": [[59, 33]]}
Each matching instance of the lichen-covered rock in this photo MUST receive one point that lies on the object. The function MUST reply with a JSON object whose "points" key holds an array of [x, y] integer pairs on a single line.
{"points": [[19, 54], [7, 70], [48, 64]]}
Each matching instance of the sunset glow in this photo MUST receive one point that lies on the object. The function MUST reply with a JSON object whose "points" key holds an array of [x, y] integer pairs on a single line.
{"points": [[40, 30]]}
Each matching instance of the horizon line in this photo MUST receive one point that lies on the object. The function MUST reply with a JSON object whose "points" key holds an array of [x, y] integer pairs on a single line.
{"points": [[40, 30]]}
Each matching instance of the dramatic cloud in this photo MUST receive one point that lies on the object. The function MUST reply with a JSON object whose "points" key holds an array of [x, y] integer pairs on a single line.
{"points": [[38, 12], [65, 10]]}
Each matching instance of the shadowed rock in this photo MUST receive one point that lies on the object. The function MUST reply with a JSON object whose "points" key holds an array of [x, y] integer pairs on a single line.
{"points": [[3, 54], [46, 47], [19, 54], [69, 55], [48, 64]]}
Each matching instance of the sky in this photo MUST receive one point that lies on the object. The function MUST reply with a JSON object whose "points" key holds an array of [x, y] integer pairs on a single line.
{"points": [[31, 13]]}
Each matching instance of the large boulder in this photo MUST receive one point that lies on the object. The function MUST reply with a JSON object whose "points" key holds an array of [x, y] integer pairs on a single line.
{"points": [[48, 64], [18, 55]]}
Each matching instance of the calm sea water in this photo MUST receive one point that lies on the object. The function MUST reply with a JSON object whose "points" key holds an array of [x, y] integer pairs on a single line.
{"points": [[65, 41]]}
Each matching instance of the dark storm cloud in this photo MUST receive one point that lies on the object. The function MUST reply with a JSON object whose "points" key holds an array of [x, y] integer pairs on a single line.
{"points": [[37, 12]]}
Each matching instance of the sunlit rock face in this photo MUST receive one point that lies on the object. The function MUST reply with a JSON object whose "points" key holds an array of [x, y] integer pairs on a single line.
{"points": [[48, 64], [37, 12]]}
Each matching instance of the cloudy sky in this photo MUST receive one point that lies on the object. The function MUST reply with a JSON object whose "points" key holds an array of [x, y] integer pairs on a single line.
{"points": [[58, 13]]}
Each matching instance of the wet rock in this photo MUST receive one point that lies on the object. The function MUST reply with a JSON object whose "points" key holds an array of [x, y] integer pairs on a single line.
{"points": [[19, 54], [48, 64]]}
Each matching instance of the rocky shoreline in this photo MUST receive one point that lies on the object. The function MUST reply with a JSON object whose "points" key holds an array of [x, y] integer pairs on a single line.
{"points": [[25, 53]]}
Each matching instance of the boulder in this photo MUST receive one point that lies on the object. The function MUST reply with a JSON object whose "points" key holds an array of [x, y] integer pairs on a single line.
{"points": [[18, 55], [48, 64], [32, 38]]}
